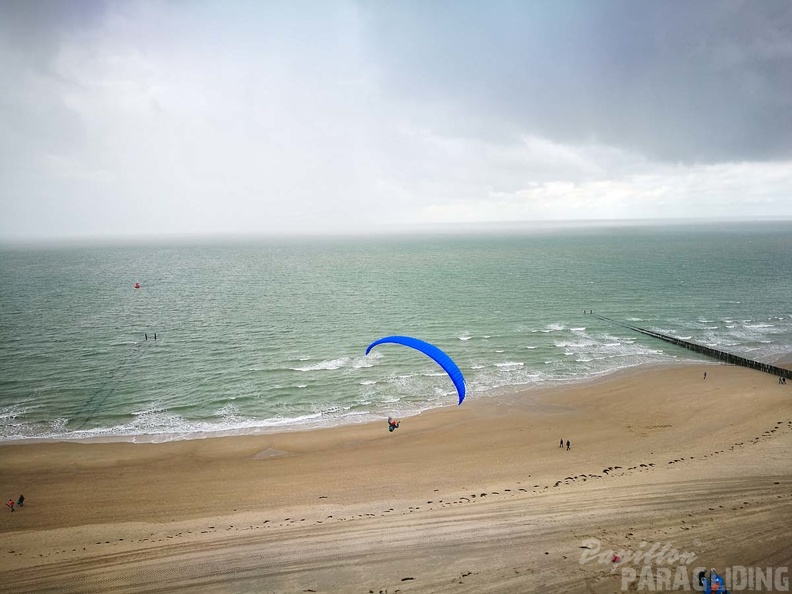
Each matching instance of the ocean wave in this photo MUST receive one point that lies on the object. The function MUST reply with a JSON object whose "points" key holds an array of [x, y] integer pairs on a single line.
{"points": [[14, 411], [363, 362], [576, 344], [360, 362], [328, 365], [158, 426]]}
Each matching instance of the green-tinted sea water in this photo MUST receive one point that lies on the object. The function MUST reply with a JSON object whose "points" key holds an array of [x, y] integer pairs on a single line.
{"points": [[256, 336]]}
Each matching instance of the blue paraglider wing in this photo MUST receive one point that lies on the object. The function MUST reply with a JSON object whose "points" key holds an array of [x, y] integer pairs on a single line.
{"points": [[432, 351]]}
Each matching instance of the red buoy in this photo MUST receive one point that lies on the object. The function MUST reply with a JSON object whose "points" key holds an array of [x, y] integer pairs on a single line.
{"points": [[137, 285]]}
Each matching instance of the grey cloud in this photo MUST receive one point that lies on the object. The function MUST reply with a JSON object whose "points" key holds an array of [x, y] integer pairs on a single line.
{"points": [[34, 29], [247, 116], [679, 81]]}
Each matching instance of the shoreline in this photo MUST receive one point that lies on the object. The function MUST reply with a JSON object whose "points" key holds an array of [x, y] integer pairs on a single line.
{"points": [[504, 392], [474, 498]]}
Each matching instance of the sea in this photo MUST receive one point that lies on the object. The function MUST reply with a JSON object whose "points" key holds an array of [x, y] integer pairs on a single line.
{"points": [[241, 336]]}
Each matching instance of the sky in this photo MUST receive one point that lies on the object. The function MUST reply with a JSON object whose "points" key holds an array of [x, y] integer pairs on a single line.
{"points": [[140, 118]]}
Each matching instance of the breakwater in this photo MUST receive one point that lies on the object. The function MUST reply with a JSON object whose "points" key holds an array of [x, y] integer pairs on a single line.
{"points": [[708, 351]]}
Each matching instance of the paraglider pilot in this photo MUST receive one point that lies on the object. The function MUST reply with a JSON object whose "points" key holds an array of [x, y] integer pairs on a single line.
{"points": [[392, 425]]}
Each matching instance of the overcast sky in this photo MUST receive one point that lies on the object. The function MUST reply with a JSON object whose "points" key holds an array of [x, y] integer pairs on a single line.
{"points": [[150, 118]]}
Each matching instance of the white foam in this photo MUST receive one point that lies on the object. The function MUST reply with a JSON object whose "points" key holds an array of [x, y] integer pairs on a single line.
{"points": [[14, 411], [229, 411], [363, 362], [156, 425], [328, 365]]}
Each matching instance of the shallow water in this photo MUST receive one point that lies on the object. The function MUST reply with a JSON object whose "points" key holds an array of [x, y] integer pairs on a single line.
{"points": [[269, 335]]}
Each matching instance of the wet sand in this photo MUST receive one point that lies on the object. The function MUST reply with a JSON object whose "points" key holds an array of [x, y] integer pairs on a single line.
{"points": [[477, 498]]}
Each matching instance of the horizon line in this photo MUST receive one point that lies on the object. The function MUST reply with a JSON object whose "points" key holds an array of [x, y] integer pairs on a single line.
{"points": [[483, 227]]}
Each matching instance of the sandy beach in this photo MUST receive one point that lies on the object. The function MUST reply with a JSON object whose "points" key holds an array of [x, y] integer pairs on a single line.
{"points": [[476, 498]]}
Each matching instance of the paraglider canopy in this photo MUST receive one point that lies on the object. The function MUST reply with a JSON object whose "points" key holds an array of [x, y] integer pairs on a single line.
{"points": [[432, 351]]}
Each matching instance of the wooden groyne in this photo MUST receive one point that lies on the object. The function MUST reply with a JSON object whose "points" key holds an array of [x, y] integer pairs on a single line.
{"points": [[709, 352]]}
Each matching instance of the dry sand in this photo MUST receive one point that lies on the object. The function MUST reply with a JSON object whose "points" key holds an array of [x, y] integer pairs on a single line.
{"points": [[477, 498]]}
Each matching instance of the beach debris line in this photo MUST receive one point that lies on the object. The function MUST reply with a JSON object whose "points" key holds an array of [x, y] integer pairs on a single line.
{"points": [[433, 352]]}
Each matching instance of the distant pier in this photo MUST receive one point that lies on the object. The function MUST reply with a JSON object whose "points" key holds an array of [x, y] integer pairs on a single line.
{"points": [[709, 352]]}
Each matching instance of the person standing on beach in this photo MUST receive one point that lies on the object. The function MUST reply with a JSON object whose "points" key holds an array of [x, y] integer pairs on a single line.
{"points": [[705, 375], [392, 425], [568, 445], [10, 504], [21, 501], [562, 443]]}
